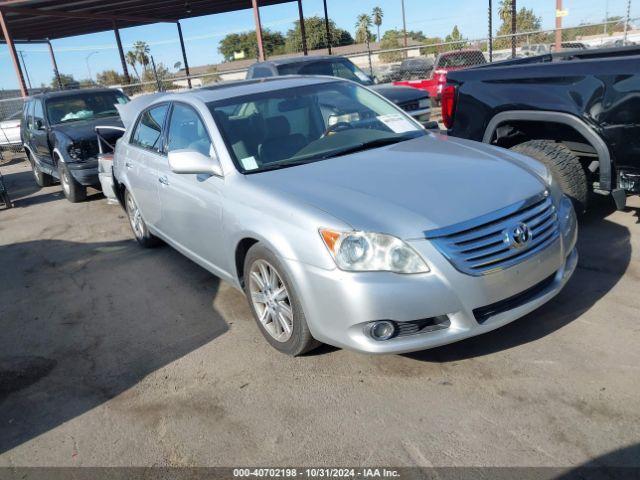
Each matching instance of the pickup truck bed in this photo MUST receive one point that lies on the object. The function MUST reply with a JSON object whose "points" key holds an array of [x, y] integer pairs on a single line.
{"points": [[584, 104]]}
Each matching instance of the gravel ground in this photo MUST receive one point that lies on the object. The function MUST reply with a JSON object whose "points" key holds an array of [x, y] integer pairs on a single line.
{"points": [[112, 355]]}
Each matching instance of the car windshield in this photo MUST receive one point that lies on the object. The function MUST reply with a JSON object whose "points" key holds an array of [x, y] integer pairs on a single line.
{"points": [[339, 67], [293, 126], [83, 106]]}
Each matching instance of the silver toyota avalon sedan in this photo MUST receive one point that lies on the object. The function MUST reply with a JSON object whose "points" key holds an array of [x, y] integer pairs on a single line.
{"points": [[341, 218]]}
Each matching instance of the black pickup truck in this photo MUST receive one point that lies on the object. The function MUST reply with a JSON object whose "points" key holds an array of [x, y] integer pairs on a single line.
{"points": [[578, 112]]}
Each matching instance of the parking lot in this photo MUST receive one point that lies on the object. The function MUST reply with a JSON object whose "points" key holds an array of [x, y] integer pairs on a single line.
{"points": [[113, 355]]}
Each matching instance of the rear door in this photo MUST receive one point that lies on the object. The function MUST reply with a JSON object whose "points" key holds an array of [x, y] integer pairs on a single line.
{"points": [[145, 156], [192, 204]]}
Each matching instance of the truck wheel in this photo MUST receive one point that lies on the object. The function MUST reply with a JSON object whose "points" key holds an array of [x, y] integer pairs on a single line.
{"points": [[42, 179], [564, 166], [275, 304], [72, 189]]}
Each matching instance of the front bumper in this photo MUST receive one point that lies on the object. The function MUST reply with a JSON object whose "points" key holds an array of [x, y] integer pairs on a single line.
{"points": [[339, 306], [85, 173]]}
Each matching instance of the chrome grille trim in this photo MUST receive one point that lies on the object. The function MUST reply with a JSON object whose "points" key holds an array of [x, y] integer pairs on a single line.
{"points": [[479, 246]]}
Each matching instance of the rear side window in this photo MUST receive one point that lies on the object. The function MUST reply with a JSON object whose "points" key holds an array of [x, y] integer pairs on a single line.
{"points": [[148, 131], [186, 131]]}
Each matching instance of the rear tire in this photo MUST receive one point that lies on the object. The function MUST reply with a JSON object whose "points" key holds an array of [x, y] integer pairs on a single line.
{"points": [[72, 189], [299, 340], [140, 230], [564, 166], [42, 179]]}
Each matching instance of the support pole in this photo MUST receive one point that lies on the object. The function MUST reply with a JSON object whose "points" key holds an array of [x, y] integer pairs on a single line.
{"points": [[184, 55], [14, 55], [404, 26], [256, 18], [26, 71], [514, 27], [326, 27], [56, 72], [302, 29], [490, 41], [626, 22], [123, 60], [558, 25]]}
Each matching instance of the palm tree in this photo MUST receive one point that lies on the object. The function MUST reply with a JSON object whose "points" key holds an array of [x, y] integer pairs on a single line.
{"points": [[132, 60], [504, 11], [142, 50], [363, 35], [377, 15]]}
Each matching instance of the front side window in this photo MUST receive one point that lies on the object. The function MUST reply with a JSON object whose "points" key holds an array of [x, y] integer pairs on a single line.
{"points": [[299, 125], [186, 131], [38, 114], [148, 131], [84, 106]]}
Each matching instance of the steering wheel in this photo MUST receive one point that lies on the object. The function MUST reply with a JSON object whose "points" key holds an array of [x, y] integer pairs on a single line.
{"points": [[337, 127]]}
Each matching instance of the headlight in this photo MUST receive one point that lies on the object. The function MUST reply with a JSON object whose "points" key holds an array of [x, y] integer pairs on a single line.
{"points": [[424, 103], [75, 152], [365, 252]]}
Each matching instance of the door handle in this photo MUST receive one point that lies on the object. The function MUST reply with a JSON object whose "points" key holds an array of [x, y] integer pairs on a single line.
{"points": [[163, 180], [128, 165]]}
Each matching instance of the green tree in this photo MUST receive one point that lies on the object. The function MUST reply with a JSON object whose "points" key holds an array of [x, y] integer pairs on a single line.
{"points": [[390, 40], [526, 21], [177, 65], [455, 39], [377, 14], [142, 51], [247, 43], [66, 80], [110, 77], [363, 24], [315, 30]]}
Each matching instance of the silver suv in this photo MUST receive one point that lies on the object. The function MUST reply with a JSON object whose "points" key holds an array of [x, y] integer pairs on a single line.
{"points": [[341, 218]]}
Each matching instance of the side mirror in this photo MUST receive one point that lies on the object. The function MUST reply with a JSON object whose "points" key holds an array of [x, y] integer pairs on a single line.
{"points": [[39, 124], [193, 161]]}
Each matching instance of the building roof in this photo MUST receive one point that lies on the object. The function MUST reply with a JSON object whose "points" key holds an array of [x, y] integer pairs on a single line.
{"points": [[26, 19]]}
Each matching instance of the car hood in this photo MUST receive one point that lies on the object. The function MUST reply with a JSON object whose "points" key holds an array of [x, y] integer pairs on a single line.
{"points": [[399, 94], [411, 187], [85, 129]]}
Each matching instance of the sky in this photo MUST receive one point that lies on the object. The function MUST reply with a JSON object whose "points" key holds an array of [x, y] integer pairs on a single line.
{"points": [[86, 55]]}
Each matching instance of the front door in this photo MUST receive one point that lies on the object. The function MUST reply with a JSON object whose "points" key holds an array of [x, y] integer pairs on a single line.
{"points": [[40, 137], [145, 155], [192, 204]]}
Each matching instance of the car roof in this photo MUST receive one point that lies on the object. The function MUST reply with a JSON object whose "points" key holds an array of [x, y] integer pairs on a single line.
{"points": [[223, 91], [68, 93], [290, 60]]}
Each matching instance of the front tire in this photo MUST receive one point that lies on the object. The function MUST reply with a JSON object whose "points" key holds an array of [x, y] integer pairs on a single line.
{"points": [[564, 166], [73, 191], [143, 236], [275, 304]]}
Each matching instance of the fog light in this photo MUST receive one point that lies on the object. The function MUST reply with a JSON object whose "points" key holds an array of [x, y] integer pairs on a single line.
{"points": [[382, 330]]}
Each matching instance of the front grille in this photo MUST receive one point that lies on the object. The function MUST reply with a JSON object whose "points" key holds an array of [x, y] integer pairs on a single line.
{"points": [[423, 325], [409, 106], [486, 244], [483, 313]]}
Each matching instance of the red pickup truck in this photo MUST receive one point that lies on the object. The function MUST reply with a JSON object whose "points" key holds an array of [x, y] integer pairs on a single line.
{"points": [[446, 62]]}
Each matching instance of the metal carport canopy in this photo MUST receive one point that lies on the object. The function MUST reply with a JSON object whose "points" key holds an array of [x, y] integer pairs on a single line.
{"points": [[38, 19]]}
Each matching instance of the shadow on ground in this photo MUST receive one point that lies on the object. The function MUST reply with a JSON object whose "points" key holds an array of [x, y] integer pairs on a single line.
{"points": [[605, 253], [81, 323]]}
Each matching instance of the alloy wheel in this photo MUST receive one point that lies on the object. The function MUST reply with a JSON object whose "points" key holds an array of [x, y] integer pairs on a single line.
{"points": [[135, 218], [270, 299], [65, 181]]}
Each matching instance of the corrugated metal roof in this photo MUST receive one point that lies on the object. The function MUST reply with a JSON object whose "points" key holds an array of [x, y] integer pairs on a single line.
{"points": [[77, 17]]}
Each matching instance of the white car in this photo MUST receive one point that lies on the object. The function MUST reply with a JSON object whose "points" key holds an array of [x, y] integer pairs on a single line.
{"points": [[10, 130]]}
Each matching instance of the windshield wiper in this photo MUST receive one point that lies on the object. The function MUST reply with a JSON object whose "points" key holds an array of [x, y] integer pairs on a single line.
{"points": [[378, 142]]}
